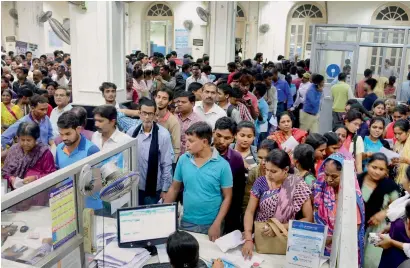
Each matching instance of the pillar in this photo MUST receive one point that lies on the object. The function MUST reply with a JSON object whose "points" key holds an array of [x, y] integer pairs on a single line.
{"points": [[29, 29], [222, 35], [97, 51]]}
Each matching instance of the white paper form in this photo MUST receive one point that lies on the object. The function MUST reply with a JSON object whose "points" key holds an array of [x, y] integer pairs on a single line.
{"points": [[162, 253], [290, 144], [230, 241], [389, 154]]}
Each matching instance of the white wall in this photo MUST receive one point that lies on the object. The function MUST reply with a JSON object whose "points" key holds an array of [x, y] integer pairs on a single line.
{"points": [[60, 11], [7, 22]]}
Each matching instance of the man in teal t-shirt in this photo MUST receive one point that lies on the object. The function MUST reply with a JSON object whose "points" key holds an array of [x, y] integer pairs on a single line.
{"points": [[207, 180]]}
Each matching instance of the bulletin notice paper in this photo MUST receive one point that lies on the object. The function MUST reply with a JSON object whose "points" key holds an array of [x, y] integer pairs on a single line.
{"points": [[306, 243], [63, 218]]}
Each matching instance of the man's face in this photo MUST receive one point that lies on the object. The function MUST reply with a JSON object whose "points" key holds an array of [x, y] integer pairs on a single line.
{"points": [[20, 74], [56, 65], [235, 83], [184, 105], [209, 95], [61, 71], [222, 139], [162, 100], [61, 98], [36, 63], [275, 77], [110, 95], [188, 71], [268, 81], [194, 144], [29, 56], [8, 60], [103, 125], [144, 60], [195, 71], [66, 58], [244, 88], [147, 115], [198, 94], [129, 84], [221, 97], [13, 65], [40, 111], [37, 76], [69, 135], [261, 58], [163, 72]]}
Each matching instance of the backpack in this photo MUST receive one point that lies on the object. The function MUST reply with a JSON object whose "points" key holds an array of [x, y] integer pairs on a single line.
{"points": [[229, 111]]}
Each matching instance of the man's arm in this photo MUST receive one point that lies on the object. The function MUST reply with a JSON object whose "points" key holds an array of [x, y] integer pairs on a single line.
{"points": [[215, 229], [8, 135], [173, 191], [166, 163], [50, 135], [171, 84], [289, 101]]}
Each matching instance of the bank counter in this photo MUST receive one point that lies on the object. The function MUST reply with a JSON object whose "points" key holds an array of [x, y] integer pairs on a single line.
{"points": [[43, 224]]}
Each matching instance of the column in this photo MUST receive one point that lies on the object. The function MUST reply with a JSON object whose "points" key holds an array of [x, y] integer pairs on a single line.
{"points": [[222, 35], [29, 29], [97, 51]]}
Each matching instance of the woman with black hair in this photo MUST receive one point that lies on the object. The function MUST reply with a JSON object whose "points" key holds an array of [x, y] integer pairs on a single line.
{"points": [[319, 144], [354, 142], [183, 252], [304, 160], [378, 193]]}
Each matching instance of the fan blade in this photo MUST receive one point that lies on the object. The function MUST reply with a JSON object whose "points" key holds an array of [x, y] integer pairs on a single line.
{"points": [[59, 30]]}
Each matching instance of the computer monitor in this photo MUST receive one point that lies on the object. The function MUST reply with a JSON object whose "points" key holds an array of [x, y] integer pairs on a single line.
{"points": [[146, 226]]}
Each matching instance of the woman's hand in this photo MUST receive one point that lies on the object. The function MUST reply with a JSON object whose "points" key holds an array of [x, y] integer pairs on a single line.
{"points": [[267, 231], [218, 263], [385, 242], [404, 160], [386, 230], [29, 179], [377, 218], [395, 161], [247, 250]]}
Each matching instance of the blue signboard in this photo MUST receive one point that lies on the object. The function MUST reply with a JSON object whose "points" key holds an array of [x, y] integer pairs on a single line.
{"points": [[333, 70]]}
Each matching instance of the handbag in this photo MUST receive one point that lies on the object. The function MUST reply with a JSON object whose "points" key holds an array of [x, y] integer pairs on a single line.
{"points": [[271, 245]]}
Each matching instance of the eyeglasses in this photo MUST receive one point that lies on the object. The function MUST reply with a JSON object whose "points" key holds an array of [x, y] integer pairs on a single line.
{"points": [[147, 114]]}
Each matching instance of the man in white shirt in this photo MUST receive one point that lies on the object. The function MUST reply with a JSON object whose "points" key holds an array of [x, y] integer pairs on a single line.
{"points": [[207, 108], [196, 76], [107, 136], [62, 99], [61, 78]]}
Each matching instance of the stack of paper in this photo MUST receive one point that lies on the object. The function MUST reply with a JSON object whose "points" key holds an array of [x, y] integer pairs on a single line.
{"points": [[230, 241], [113, 256], [235, 256]]}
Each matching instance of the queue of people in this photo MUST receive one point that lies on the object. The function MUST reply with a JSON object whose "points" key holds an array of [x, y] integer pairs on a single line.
{"points": [[210, 144]]}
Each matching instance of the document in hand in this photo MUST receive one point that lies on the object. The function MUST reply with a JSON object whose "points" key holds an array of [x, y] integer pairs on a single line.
{"points": [[230, 241], [290, 144], [389, 154]]}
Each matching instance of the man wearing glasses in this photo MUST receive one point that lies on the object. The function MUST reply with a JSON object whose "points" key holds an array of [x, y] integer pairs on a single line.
{"points": [[154, 155]]}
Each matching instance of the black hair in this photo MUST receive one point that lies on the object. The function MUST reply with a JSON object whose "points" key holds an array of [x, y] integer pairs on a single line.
{"points": [[401, 109], [7, 90], [377, 119], [168, 91], [185, 67], [166, 68], [267, 75], [147, 72], [378, 156], [236, 93], [317, 79], [359, 107], [183, 250], [378, 102], [68, 120], [236, 76], [403, 124], [371, 82], [174, 53], [44, 72], [261, 89], [283, 114], [81, 113], [42, 91], [392, 80], [43, 56], [351, 101], [28, 129], [147, 102], [196, 65], [279, 158], [137, 73], [29, 52], [23, 69], [315, 140], [205, 58], [332, 138], [25, 92], [246, 124], [231, 65], [168, 56], [293, 70], [202, 130], [305, 155], [352, 115], [36, 99], [368, 72], [187, 94], [341, 77], [107, 85], [226, 123], [268, 145], [408, 211], [194, 86], [206, 68], [106, 111], [227, 89], [199, 61], [53, 83]]}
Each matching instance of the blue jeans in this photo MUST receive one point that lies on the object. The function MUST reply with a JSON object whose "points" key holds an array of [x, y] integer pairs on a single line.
{"points": [[191, 227], [144, 199]]}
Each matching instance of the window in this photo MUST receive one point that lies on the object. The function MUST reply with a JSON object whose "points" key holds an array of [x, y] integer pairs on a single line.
{"points": [[301, 19], [390, 15], [239, 12], [160, 10]]}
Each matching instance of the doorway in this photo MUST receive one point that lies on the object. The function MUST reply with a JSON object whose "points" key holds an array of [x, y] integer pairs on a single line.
{"points": [[159, 37]]}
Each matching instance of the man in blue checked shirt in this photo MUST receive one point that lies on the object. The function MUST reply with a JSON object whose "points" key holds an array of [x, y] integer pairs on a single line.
{"points": [[38, 114], [285, 99]]}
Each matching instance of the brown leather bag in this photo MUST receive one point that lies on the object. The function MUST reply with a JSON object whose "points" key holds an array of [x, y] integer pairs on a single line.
{"points": [[271, 245]]}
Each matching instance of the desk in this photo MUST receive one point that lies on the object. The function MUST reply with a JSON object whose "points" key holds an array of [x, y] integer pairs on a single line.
{"points": [[209, 250]]}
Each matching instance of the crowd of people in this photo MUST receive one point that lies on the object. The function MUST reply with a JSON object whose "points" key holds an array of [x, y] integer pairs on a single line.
{"points": [[219, 144]]}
